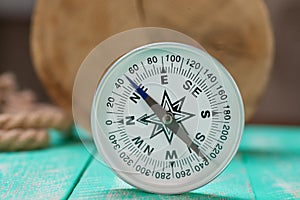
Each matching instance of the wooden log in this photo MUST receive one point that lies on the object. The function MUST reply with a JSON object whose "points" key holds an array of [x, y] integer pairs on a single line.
{"points": [[238, 33]]}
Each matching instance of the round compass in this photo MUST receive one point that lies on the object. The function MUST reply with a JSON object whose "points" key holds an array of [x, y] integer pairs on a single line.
{"points": [[167, 117]]}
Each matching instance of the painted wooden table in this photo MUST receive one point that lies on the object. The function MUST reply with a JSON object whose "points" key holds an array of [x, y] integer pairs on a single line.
{"points": [[267, 166]]}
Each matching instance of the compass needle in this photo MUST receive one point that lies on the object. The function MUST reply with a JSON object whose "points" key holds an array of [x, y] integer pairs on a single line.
{"points": [[171, 123], [167, 117]]}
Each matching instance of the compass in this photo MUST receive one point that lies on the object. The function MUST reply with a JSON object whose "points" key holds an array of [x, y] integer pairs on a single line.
{"points": [[167, 117]]}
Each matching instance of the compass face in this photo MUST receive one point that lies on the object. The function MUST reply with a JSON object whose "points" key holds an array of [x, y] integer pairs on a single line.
{"points": [[174, 109], [167, 118]]}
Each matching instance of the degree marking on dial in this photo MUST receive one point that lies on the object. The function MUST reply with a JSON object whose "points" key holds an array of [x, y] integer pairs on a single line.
{"points": [[122, 138], [115, 113], [176, 163], [216, 130], [172, 68], [214, 107], [156, 69], [181, 164], [121, 110], [151, 161], [139, 157], [147, 160], [143, 76], [207, 157], [126, 142], [132, 152], [181, 64], [218, 103], [198, 80], [196, 157], [154, 167], [152, 73], [120, 104], [144, 68], [172, 166], [213, 85], [185, 161], [210, 95], [211, 101], [220, 121], [207, 145], [177, 70], [189, 73], [138, 77], [208, 139], [160, 164], [192, 157], [130, 148], [190, 166], [192, 76], [182, 71], [196, 76], [119, 95], [127, 90], [163, 70], [214, 125], [112, 132], [212, 133], [123, 133], [137, 152], [204, 87], [215, 118], [214, 138], [123, 101], [202, 83]]}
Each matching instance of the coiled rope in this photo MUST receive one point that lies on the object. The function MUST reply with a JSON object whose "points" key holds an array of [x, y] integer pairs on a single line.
{"points": [[24, 122]]}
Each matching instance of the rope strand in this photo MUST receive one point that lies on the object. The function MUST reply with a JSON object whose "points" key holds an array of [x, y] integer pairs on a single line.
{"points": [[35, 119], [23, 121], [23, 139]]}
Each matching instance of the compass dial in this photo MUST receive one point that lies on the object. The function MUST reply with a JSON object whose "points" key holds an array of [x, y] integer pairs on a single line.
{"points": [[167, 117]]}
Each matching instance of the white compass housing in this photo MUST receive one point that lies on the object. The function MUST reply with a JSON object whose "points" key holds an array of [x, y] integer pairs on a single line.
{"points": [[188, 139]]}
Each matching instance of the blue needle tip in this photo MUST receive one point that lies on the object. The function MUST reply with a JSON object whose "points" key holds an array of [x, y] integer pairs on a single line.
{"points": [[141, 92]]}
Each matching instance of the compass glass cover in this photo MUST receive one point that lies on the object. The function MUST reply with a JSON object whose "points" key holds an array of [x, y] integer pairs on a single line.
{"points": [[198, 97]]}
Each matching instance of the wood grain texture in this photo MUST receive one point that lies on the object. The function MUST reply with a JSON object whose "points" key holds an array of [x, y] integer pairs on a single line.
{"points": [[238, 33], [100, 182], [43, 174], [265, 167], [271, 156]]}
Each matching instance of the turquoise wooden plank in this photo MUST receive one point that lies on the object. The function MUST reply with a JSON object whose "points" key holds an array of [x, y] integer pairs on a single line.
{"points": [[284, 139], [274, 176], [233, 183], [272, 158], [99, 182], [266, 167], [42, 174]]}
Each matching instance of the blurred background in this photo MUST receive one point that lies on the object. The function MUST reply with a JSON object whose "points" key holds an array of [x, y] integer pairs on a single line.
{"points": [[280, 103]]}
